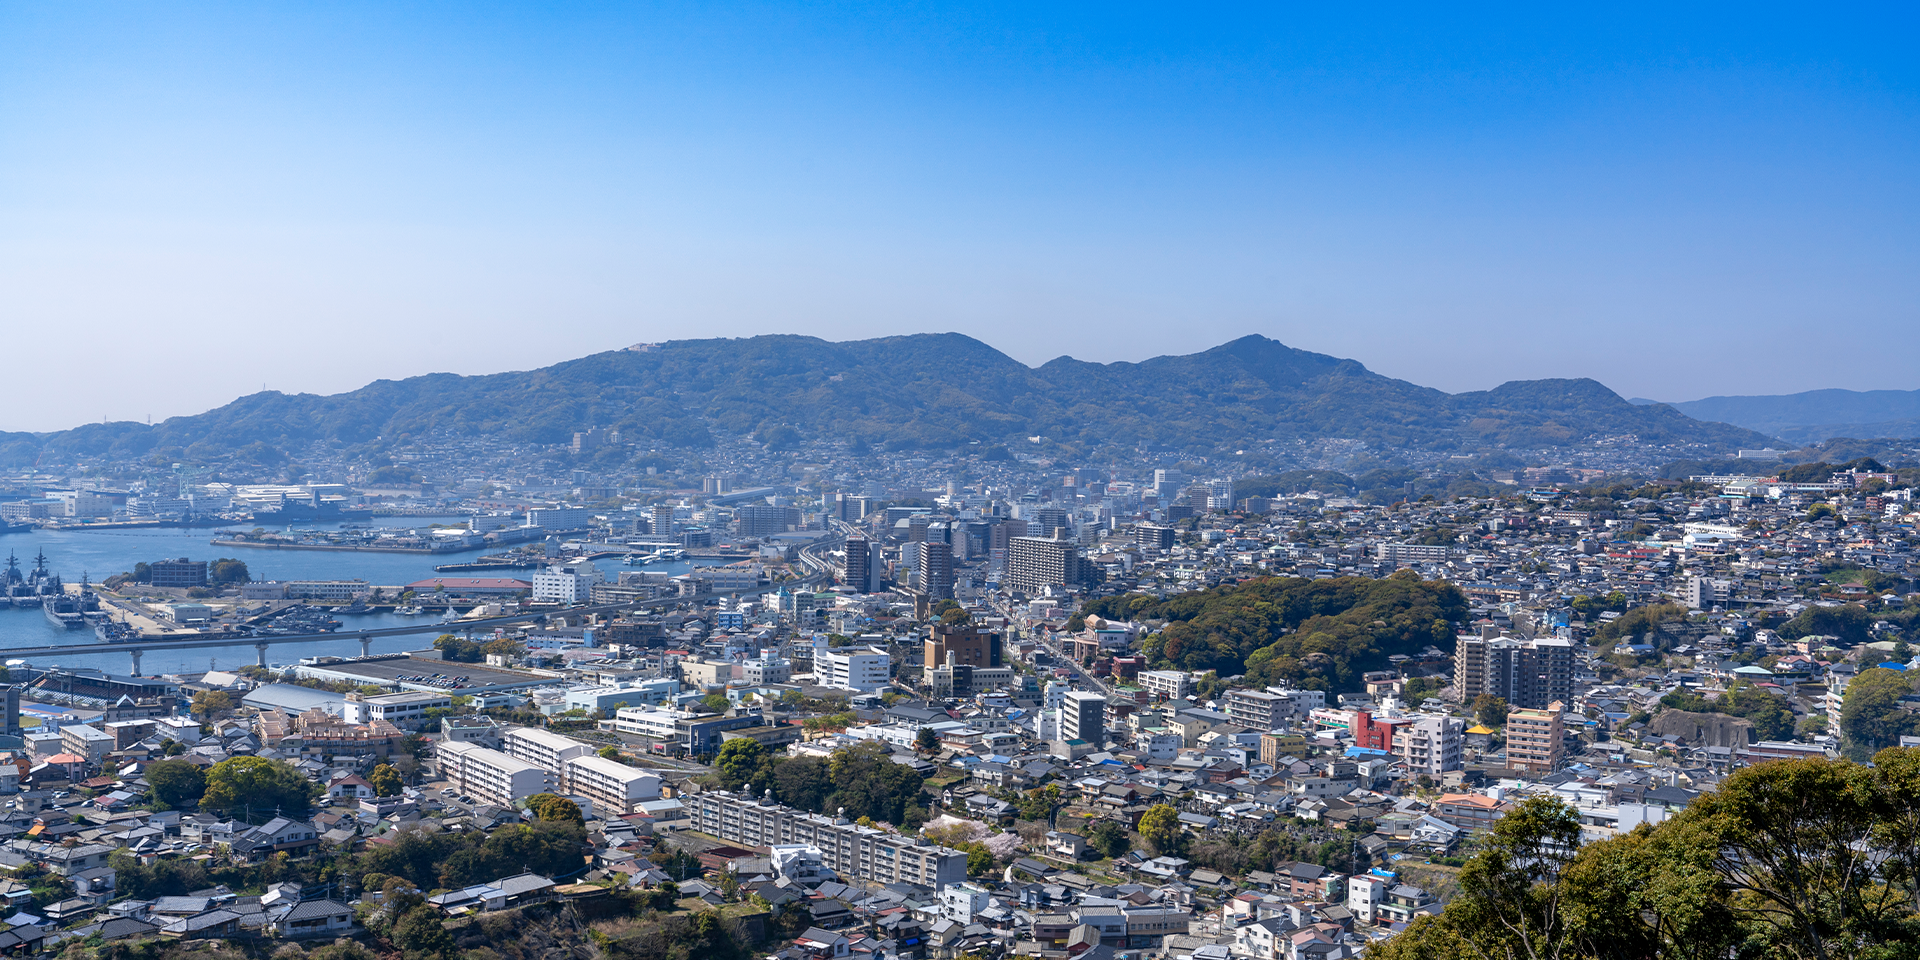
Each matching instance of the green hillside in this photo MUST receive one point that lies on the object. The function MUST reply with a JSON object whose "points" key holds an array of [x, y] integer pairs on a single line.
{"points": [[926, 391], [1323, 634]]}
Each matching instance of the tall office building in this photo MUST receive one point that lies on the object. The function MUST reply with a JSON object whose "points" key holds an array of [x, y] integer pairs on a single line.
{"points": [[858, 569], [1036, 563], [660, 521], [1526, 673], [1083, 716]]}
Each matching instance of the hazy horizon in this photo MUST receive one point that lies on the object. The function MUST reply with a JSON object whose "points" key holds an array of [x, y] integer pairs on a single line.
{"points": [[200, 199]]}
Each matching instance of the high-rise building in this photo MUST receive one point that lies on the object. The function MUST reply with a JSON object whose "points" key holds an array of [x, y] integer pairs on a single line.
{"points": [[1154, 536], [933, 575], [1220, 494], [857, 570], [660, 520], [1036, 563], [1525, 673], [1536, 739], [762, 520], [1083, 716], [1431, 745], [969, 645]]}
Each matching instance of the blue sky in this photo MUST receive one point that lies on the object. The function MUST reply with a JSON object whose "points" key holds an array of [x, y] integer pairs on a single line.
{"points": [[196, 199]]}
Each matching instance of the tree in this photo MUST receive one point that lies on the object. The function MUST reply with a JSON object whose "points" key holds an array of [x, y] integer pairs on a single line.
{"points": [[422, 934], [1871, 716], [1110, 839], [868, 783], [176, 783], [142, 573], [611, 752], [208, 704], [803, 783], [738, 760], [1489, 710], [1160, 827], [715, 703], [458, 650], [227, 570], [979, 858], [385, 781], [553, 808], [258, 789], [926, 741]]}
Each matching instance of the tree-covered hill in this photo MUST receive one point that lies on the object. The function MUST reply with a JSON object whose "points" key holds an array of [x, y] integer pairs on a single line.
{"points": [[1323, 634], [911, 392]]}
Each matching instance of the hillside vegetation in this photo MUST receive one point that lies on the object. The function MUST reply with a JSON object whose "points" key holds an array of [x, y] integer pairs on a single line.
{"points": [[1322, 634], [1796, 859], [915, 392]]}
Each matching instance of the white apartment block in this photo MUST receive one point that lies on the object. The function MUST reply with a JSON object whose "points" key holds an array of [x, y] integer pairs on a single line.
{"points": [[403, 710], [489, 775], [1431, 745], [648, 722], [547, 751], [1167, 684], [850, 850], [858, 669], [611, 785]]}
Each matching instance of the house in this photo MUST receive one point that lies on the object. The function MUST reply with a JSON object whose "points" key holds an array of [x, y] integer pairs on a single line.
{"points": [[823, 944], [1066, 846], [310, 918], [275, 836], [501, 894], [350, 787], [211, 924]]}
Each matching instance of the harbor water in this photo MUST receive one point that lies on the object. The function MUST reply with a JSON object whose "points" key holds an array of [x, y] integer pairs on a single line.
{"points": [[99, 554]]}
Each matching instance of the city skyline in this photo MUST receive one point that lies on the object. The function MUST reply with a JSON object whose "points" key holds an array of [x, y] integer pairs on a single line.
{"points": [[313, 200]]}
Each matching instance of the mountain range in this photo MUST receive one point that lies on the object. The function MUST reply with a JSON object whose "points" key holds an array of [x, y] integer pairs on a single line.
{"points": [[925, 391], [1816, 414]]}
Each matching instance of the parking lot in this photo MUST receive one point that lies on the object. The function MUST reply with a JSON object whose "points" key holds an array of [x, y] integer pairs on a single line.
{"points": [[480, 678]]}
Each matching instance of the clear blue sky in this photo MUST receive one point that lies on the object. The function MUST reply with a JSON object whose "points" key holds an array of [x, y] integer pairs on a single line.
{"points": [[196, 199]]}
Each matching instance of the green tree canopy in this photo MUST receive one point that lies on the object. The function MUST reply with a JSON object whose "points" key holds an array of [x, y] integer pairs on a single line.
{"points": [[1160, 827], [385, 781], [257, 789], [739, 759], [1871, 715], [176, 783], [553, 808]]}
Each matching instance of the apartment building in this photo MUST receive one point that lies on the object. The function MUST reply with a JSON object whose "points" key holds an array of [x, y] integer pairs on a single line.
{"points": [[1431, 745], [860, 669], [1166, 684], [489, 775], [404, 710], [1083, 716], [860, 853], [612, 786], [1525, 673], [1536, 739], [548, 751], [1258, 709]]}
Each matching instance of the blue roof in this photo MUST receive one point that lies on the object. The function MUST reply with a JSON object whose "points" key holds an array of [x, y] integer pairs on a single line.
{"points": [[1366, 752], [1890, 665]]}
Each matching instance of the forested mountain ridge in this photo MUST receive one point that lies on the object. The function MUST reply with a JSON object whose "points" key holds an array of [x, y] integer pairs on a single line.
{"points": [[911, 392], [1817, 414]]}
